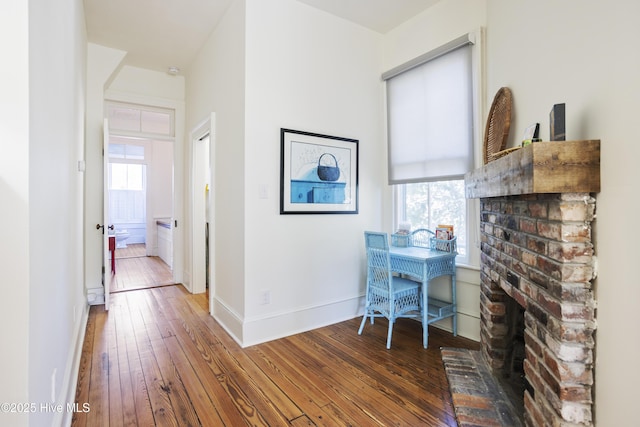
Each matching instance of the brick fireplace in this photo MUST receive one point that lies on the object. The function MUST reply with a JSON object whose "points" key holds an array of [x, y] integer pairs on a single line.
{"points": [[537, 265], [537, 251]]}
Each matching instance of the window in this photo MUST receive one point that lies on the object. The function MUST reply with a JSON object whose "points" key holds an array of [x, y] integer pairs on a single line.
{"points": [[133, 119], [127, 183], [127, 193], [126, 151], [125, 176], [430, 118], [429, 204]]}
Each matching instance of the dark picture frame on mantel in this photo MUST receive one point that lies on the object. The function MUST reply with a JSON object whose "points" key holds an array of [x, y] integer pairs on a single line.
{"points": [[318, 173]]}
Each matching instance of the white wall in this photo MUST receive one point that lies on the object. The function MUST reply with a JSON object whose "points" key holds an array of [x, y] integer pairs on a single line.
{"points": [[147, 83], [441, 23], [43, 306], [584, 53], [215, 83], [304, 70], [309, 71], [14, 193]]}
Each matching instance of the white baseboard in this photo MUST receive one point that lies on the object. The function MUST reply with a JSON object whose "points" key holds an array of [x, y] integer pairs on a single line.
{"points": [[228, 319], [67, 393], [251, 331]]}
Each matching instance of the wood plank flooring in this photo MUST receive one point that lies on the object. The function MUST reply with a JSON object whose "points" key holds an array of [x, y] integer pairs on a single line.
{"points": [[135, 270], [158, 358]]}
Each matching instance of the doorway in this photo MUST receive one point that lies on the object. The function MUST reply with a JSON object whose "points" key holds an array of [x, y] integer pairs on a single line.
{"points": [[139, 186], [203, 208]]}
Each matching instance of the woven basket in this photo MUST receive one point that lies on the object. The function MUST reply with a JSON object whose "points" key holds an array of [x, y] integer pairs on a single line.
{"points": [[328, 172], [498, 124], [504, 152]]}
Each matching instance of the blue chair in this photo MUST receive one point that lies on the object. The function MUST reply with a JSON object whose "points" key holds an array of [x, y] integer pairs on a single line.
{"points": [[387, 295]]}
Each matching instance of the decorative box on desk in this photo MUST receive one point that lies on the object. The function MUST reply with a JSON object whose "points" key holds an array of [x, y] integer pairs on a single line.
{"points": [[400, 240], [444, 245]]}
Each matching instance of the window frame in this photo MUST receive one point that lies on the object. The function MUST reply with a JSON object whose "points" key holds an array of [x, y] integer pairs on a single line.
{"points": [[109, 105]]}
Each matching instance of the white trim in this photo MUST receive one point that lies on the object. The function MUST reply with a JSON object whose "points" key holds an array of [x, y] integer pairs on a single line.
{"points": [[199, 178], [143, 107], [229, 319], [67, 393], [111, 95], [267, 328]]}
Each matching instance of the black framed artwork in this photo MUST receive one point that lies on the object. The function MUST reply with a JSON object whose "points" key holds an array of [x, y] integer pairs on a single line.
{"points": [[318, 173]]}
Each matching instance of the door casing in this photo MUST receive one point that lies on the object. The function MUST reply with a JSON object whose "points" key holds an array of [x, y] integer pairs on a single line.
{"points": [[203, 193]]}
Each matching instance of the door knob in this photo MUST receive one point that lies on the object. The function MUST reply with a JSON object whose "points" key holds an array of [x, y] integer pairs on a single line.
{"points": [[110, 227]]}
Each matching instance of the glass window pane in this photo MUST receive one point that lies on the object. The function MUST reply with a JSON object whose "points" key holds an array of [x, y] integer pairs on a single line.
{"points": [[122, 118], [116, 151], [118, 176], [135, 177], [155, 122], [135, 152], [127, 193], [429, 204], [123, 176], [140, 119]]}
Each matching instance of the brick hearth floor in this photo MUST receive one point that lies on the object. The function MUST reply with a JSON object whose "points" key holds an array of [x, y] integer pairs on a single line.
{"points": [[478, 398]]}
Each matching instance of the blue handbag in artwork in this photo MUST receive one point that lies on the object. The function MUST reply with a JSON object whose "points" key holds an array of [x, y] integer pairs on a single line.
{"points": [[328, 172]]}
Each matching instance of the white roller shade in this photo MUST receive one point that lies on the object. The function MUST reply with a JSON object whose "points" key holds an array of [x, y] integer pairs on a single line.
{"points": [[430, 118]]}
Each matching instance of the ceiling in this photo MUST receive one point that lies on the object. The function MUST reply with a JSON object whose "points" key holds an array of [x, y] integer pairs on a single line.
{"points": [[158, 34]]}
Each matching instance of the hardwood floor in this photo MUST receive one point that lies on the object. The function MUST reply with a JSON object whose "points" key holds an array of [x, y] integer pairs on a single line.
{"points": [[135, 270], [158, 358]]}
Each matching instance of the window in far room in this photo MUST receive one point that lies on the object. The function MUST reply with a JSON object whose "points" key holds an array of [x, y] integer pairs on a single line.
{"points": [[431, 123], [127, 183]]}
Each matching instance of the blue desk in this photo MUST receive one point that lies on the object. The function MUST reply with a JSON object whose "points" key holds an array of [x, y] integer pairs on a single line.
{"points": [[423, 264]]}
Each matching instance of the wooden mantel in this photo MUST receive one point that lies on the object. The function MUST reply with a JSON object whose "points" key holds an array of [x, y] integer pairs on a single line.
{"points": [[541, 167]]}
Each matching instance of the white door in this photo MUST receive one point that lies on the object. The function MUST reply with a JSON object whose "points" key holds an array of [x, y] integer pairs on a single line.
{"points": [[107, 274]]}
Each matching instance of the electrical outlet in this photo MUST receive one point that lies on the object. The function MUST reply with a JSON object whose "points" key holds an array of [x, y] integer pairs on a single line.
{"points": [[265, 297]]}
